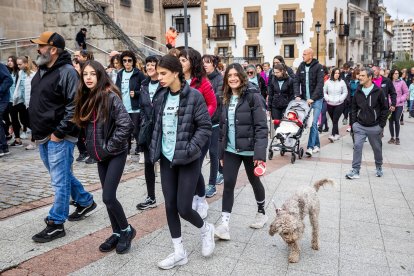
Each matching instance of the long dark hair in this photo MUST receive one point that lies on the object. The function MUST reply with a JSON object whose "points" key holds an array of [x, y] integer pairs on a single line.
{"points": [[392, 74], [173, 64], [332, 78], [227, 92], [15, 69], [197, 69], [88, 102]]}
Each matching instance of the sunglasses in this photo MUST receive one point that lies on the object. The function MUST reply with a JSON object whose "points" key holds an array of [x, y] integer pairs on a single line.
{"points": [[250, 72], [127, 60]]}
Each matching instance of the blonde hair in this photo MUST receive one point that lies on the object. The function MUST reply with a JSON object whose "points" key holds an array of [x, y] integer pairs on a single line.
{"points": [[29, 68]]}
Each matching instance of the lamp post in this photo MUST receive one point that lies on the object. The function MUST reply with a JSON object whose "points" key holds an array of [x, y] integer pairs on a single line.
{"points": [[318, 30], [185, 26]]}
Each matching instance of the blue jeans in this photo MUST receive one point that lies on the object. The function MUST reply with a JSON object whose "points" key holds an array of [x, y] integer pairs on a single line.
{"points": [[3, 141], [58, 159], [314, 135], [214, 159]]}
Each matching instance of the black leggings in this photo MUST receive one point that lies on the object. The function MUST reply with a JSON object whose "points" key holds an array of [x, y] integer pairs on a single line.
{"points": [[335, 112], [19, 115], [149, 174], [395, 120], [231, 168], [136, 120], [110, 172], [178, 187], [201, 185]]}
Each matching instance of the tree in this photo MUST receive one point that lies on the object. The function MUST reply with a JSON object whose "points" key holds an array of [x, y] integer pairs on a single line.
{"points": [[403, 64]]}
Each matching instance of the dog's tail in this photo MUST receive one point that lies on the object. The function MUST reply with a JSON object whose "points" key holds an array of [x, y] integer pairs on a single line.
{"points": [[323, 182]]}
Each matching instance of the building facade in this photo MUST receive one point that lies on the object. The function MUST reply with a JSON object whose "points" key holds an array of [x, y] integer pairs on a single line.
{"points": [[402, 43]]}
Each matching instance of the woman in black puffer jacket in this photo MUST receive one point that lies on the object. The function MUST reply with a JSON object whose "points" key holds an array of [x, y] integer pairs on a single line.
{"points": [[182, 127], [243, 138], [99, 109]]}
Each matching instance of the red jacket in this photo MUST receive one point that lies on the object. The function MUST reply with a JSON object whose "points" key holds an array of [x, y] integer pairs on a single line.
{"points": [[207, 91]]}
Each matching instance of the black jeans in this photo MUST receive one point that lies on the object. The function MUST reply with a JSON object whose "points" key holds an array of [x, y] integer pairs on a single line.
{"points": [[81, 141], [201, 188], [178, 187], [136, 120], [3, 141], [324, 119], [395, 121], [110, 172], [335, 112], [214, 158], [231, 168], [149, 174], [18, 115], [6, 118]]}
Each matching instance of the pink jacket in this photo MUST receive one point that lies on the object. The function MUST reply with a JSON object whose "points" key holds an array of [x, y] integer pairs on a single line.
{"points": [[402, 92]]}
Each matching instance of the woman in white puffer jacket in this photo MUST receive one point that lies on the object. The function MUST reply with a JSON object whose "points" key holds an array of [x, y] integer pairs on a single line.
{"points": [[335, 92]]}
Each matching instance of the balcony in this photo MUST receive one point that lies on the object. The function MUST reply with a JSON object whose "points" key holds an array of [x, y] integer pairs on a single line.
{"points": [[222, 32], [343, 30], [288, 28], [355, 34]]}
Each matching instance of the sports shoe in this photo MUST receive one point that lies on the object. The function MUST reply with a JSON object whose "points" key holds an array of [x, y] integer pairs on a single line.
{"points": [[345, 122], [397, 141], [82, 157], [202, 208], [51, 232], [308, 152], [316, 149], [331, 138], [391, 141], [222, 232], [353, 174], [81, 212], [401, 123], [211, 191], [337, 137], [31, 147], [173, 260], [109, 244], [207, 241], [148, 203], [1, 153], [23, 135], [219, 179], [124, 243], [379, 172], [326, 129], [259, 221], [16, 144], [90, 160]]}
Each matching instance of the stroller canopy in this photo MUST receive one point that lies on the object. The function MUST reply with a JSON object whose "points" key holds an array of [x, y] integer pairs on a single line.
{"points": [[301, 108]]}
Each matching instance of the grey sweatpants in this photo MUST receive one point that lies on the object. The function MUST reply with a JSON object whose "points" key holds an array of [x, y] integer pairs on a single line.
{"points": [[374, 138]]}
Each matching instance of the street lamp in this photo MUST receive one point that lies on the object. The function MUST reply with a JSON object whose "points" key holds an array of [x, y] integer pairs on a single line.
{"points": [[318, 30]]}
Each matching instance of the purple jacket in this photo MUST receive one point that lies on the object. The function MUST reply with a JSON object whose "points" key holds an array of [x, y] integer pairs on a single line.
{"points": [[402, 92]]}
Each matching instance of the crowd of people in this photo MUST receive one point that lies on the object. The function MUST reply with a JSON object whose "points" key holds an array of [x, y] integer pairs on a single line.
{"points": [[174, 109]]}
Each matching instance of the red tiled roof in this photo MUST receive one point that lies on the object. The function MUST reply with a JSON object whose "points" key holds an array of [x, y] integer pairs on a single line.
{"points": [[168, 4]]}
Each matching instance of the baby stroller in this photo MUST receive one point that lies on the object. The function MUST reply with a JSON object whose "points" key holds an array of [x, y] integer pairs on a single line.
{"points": [[290, 129]]}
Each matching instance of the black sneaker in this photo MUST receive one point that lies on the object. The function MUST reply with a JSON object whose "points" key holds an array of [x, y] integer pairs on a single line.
{"points": [[90, 160], [82, 157], [81, 212], [148, 203], [109, 244], [6, 151], [51, 232], [124, 243]]}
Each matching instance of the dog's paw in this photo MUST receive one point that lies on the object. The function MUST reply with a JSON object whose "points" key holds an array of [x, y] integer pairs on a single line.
{"points": [[294, 257], [315, 245]]}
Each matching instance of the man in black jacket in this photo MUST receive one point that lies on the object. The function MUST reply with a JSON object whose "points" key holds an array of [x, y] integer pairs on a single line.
{"points": [[309, 87], [81, 38], [51, 110], [368, 119]]}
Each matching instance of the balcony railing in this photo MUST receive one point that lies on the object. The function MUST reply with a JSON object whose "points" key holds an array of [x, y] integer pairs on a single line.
{"points": [[288, 28], [224, 32], [343, 30]]}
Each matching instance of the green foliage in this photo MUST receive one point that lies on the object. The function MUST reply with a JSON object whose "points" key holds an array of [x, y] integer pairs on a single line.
{"points": [[403, 64]]}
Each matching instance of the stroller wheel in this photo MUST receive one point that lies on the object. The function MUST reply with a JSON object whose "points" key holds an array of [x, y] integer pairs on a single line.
{"points": [[282, 152], [301, 151], [270, 156], [293, 158]]}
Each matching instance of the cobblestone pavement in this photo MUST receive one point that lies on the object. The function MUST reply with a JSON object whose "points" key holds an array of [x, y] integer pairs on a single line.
{"points": [[24, 178]]}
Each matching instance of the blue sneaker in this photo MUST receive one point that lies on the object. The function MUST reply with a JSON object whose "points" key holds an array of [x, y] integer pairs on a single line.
{"points": [[211, 191], [379, 172], [219, 179], [353, 174]]}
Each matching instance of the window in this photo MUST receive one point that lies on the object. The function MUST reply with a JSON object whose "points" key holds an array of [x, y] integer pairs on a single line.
{"points": [[289, 51], [126, 3], [223, 51], [149, 5], [223, 26], [289, 18], [252, 19], [252, 51], [179, 23], [331, 50]]}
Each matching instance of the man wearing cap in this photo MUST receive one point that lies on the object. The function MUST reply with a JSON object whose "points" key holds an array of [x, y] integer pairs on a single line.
{"points": [[51, 110], [81, 38]]}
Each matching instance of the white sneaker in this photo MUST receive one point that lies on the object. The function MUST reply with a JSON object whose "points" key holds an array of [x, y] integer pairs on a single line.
{"points": [[23, 135], [195, 203], [173, 260], [308, 152], [207, 241], [259, 221], [331, 138], [337, 137], [348, 129], [31, 147], [202, 208], [141, 159], [316, 149], [222, 232]]}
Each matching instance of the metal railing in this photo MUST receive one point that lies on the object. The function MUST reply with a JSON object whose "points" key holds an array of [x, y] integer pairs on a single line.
{"points": [[222, 32], [288, 28], [97, 48], [343, 29], [147, 50]]}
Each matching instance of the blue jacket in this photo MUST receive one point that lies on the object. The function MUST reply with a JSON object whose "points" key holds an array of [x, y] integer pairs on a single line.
{"points": [[6, 82]]}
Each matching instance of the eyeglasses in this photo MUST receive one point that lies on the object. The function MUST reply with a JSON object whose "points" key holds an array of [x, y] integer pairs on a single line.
{"points": [[250, 72], [127, 60]]}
